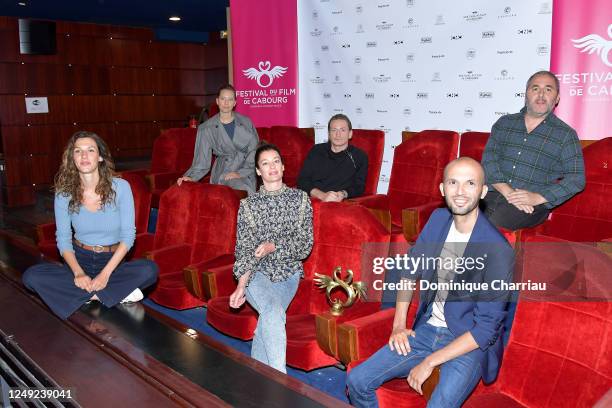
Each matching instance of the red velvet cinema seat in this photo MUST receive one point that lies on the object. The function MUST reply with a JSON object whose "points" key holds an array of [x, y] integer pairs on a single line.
{"points": [[171, 157], [413, 194], [372, 142], [196, 225], [586, 217], [340, 233], [294, 146], [472, 144], [142, 203]]}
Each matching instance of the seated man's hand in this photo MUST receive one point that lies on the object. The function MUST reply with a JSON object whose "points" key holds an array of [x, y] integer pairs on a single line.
{"points": [[419, 374], [524, 208], [333, 196], [398, 340], [180, 180], [231, 175], [525, 198]]}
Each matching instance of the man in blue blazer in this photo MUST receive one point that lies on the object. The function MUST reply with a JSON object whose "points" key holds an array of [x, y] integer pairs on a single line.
{"points": [[463, 266]]}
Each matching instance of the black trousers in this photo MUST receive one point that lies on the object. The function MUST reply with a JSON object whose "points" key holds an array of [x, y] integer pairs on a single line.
{"points": [[503, 214]]}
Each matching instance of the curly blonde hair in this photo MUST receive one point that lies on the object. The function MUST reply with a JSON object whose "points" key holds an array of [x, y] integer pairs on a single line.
{"points": [[68, 181]]}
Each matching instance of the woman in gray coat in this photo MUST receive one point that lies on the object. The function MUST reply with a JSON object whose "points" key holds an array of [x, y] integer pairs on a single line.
{"points": [[232, 138]]}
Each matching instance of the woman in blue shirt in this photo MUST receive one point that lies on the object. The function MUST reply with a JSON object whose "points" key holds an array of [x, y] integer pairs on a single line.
{"points": [[100, 209]]}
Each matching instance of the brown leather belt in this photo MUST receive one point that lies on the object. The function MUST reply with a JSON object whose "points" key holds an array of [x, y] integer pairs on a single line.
{"points": [[96, 248]]}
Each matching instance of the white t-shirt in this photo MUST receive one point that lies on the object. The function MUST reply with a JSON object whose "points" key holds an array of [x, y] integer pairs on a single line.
{"points": [[454, 246]]}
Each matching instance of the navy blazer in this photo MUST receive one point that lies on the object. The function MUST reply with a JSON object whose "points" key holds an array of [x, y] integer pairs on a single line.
{"points": [[481, 313]]}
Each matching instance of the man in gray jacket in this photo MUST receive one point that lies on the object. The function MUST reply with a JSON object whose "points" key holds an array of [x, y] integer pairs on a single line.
{"points": [[232, 138]]}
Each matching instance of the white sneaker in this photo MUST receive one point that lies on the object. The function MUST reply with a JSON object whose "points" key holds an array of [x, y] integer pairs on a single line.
{"points": [[135, 296]]}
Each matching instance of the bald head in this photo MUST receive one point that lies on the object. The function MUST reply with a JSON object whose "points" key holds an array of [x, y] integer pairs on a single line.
{"points": [[465, 164]]}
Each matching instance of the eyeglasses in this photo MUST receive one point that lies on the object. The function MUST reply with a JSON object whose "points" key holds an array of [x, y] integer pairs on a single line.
{"points": [[339, 130]]}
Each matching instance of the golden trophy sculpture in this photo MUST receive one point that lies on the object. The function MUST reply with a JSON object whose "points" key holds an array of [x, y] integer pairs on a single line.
{"points": [[353, 290]]}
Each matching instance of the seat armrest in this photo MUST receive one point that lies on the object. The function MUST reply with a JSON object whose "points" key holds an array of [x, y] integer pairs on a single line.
{"points": [[201, 278], [360, 338], [170, 258], [143, 243], [415, 218], [45, 232]]}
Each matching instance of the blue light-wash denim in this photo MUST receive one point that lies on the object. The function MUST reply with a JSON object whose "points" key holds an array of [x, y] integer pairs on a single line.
{"points": [[458, 376], [54, 283], [271, 300]]}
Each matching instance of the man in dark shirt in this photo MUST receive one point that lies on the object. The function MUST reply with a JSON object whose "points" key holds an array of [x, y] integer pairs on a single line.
{"points": [[533, 160], [335, 170]]}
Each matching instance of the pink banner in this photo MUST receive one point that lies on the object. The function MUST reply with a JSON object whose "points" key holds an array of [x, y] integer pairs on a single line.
{"points": [[265, 60], [581, 56]]}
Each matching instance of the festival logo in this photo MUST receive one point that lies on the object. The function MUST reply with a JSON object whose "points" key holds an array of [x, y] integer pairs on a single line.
{"points": [[594, 43], [265, 72]]}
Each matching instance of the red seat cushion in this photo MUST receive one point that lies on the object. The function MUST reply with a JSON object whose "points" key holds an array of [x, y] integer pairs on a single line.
{"points": [[239, 323]]}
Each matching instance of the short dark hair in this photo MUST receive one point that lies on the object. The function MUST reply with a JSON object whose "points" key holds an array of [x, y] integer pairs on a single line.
{"points": [[550, 74], [339, 116], [227, 87], [264, 147]]}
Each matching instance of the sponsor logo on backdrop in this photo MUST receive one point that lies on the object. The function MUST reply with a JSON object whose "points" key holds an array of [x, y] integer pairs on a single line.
{"points": [[505, 52], [468, 112], [452, 95], [426, 40], [347, 96], [325, 48], [316, 32], [438, 56], [410, 3], [407, 111], [410, 57], [470, 54], [382, 78], [410, 23], [369, 95], [336, 61], [394, 95], [265, 95], [326, 95], [359, 9], [488, 34], [384, 25], [501, 113], [346, 45], [457, 37], [359, 29], [382, 111], [338, 110], [315, 14], [524, 31], [359, 110], [545, 8], [439, 20], [384, 129], [469, 76], [542, 49], [318, 109], [520, 94], [371, 44], [422, 95], [385, 59], [357, 60], [436, 77], [504, 75], [317, 63], [336, 31], [398, 42], [434, 112], [357, 79], [383, 5], [319, 126], [317, 80], [485, 95], [595, 44], [408, 78], [475, 16], [265, 75], [588, 83], [336, 12], [507, 13], [337, 80]]}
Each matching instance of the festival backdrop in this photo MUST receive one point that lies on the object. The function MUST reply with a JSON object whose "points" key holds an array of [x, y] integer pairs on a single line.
{"points": [[265, 60], [582, 59]]}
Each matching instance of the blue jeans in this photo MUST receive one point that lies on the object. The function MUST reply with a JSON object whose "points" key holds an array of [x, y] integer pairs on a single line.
{"points": [[271, 300], [458, 376]]}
